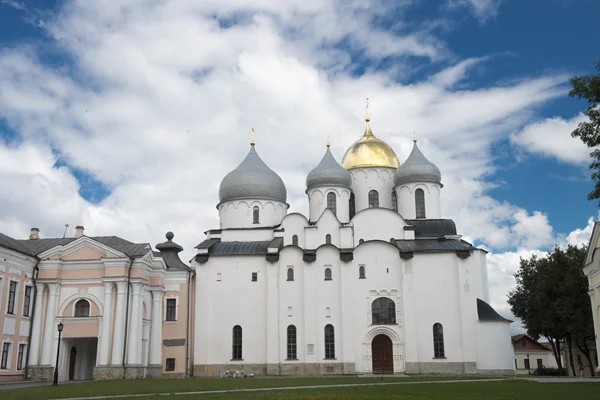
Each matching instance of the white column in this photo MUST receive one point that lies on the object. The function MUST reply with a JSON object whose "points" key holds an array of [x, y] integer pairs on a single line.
{"points": [[156, 330], [104, 351], [117, 348], [50, 327], [34, 346], [135, 325]]}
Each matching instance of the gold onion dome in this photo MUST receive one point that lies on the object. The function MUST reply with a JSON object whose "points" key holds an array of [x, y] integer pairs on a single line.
{"points": [[368, 151]]}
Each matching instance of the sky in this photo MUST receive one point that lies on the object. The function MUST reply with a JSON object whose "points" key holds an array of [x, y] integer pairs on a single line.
{"points": [[125, 116]]}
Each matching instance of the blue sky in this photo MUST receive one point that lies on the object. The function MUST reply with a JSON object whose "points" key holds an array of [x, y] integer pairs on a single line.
{"points": [[125, 118]]}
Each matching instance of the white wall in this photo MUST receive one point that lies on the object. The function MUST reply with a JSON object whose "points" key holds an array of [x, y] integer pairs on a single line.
{"points": [[378, 224], [406, 200], [494, 346], [239, 213], [318, 202], [370, 178]]}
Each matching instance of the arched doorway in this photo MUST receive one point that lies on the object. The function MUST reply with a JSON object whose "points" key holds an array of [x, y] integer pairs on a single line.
{"points": [[382, 355], [72, 358]]}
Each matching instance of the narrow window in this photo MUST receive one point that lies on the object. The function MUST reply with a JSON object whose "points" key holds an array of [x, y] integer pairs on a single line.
{"points": [[289, 311], [526, 362], [171, 310], [27, 302], [290, 274], [12, 293], [438, 340], [237, 343], [329, 342], [352, 206], [291, 343], [383, 311], [254, 276], [82, 308], [218, 277], [170, 364], [327, 274], [361, 272], [327, 312], [255, 215], [5, 353], [420, 203], [328, 239], [373, 199], [331, 202], [394, 202], [295, 240], [20, 356]]}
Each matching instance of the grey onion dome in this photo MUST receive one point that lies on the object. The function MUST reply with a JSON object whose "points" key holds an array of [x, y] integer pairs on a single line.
{"points": [[252, 179], [328, 173], [417, 168]]}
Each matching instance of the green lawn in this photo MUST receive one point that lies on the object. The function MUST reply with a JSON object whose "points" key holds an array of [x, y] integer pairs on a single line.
{"points": [[507, 389]]}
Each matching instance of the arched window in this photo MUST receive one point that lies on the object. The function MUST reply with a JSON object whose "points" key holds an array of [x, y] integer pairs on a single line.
{"points": [[327, 274], [361, 241], [237, 343], [290, 274], [82, 308], [394, 201], [420, 203], [361, 272], [329, 342], [373, 199], [351, 206], [291, 343], [255, 215], [289, 312], [438, 340], [331, 202], [328, 239], [383, 311], [295, 240]]}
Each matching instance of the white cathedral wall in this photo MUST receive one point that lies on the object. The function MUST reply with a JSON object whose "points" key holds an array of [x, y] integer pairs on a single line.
{"points": [[378, 224], [294, 224], [406, 200], [318, 202], [239, 213], [370, 178], [494, 347], [326, 225], [247, 235]]}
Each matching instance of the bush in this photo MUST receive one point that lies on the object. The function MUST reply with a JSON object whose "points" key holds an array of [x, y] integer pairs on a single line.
{"points": [[546, 371]]}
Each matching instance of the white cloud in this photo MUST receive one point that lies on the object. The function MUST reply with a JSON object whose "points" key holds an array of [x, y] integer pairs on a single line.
{"points": [[483, 10], [551, 137]]}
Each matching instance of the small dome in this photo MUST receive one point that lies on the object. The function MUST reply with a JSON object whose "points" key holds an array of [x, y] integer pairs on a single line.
{"points": [[252, 179], [328, 173], [417, 168], [368, 151]]}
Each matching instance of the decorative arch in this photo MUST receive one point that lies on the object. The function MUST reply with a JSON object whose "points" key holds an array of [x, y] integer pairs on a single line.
{"points": [[77, 296], [382, 330]]}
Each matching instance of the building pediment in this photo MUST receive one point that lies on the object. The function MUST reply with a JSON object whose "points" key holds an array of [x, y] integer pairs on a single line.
{"points": [[82, 249]]}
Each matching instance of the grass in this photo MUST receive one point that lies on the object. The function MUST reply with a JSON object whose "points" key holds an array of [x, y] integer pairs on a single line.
{"points": [[507, 389]]}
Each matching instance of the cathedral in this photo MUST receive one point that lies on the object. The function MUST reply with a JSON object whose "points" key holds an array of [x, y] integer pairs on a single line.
{"points": [[372, 281]]}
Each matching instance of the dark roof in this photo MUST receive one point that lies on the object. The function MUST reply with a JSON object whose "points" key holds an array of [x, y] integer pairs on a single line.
{"points": [[206, 244], [487, 313], [239, 248], [38, 246], [13, 244], [126, 247], [432, 227], [170, 253], [432, 245]]}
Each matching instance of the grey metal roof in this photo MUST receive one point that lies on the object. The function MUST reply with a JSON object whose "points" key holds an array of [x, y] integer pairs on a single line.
{"points": [[328, 172], [239, 248], [417, 168], [432, 245], [170, 253], [126, 247], [486, 312], [38, 246], [13, 244], [432, 227], [252, 179]]}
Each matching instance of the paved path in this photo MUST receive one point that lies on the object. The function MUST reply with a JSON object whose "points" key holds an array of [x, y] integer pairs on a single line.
{"points": [[21, 385]]}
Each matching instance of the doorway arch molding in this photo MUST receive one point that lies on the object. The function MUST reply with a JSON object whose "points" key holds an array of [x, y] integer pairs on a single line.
{"points": [[397, 348]]}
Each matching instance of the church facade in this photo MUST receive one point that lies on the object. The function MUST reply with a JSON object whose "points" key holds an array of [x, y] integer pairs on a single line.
{"points": [[373, 280]]}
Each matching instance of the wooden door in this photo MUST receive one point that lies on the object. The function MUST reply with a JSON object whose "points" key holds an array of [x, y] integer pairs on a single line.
{"points": [[72, 358], [383, 355]]}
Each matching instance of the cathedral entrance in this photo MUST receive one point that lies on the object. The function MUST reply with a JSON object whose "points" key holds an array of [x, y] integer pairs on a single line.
{"points": [[382, 355]]}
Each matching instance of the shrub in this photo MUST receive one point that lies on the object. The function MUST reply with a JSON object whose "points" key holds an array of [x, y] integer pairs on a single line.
{"points": [[547, 371]]}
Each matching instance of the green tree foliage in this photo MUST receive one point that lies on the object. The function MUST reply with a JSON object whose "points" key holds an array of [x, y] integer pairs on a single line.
{"points": [[588, 88], [552, 301]]}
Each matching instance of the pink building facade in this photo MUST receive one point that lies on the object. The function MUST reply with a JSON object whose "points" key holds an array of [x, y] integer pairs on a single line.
{"points": [[123, 307]]}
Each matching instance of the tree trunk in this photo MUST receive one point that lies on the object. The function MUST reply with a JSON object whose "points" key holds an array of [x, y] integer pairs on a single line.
{"points": [[570, 346], [586, 351], [555, 350]]}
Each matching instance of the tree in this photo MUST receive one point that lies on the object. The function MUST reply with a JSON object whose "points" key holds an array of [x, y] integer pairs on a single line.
{"points": [[552, 301], [588, 88]]}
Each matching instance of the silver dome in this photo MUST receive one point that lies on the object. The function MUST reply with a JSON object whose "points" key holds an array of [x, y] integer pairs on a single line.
{"points": [[252, 179], [328, 173], [417, 168]]}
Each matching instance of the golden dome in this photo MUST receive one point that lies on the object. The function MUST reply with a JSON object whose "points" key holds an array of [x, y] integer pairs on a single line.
{"points": [[368, 151]]}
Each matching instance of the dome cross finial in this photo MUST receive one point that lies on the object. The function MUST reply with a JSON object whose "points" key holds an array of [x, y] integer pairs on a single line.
{"points": [[367, 116], [252, 142], [414, 136]]}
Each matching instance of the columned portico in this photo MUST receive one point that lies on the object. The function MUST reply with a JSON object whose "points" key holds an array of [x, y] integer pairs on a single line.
{"points": [[50, 327], [106, 332]]}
